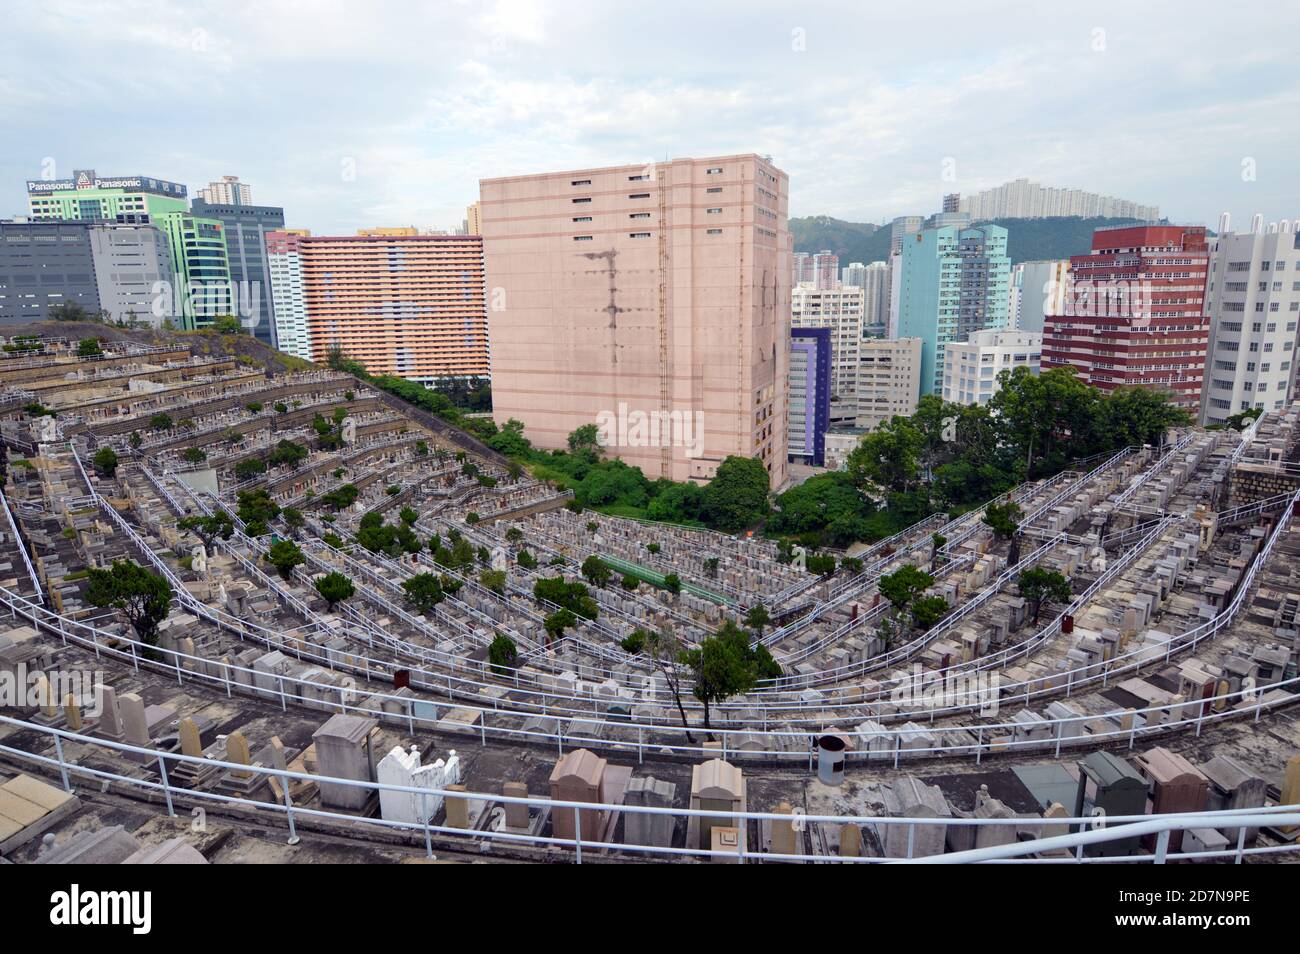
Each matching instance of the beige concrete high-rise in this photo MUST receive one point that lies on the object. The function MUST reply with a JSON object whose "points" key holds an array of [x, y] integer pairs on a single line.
{"points": [[651, 300]]}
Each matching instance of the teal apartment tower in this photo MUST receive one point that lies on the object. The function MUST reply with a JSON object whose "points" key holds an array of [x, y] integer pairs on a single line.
{"points": [[953, 280]]}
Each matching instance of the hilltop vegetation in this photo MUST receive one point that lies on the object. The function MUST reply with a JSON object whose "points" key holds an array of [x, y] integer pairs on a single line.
{"points": [[1027, 239]]}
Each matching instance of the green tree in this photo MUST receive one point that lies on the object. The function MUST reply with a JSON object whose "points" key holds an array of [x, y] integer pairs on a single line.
{"points": [[756, 618], [668, 656], [256, 507], [937, 542], [902, 588], [595, 571], [629, 582], [1137, 416], [1040, 585], [334, 588], [586, 440], [928, 610], [494, 580], [105, 461], [556, 623], [161, 422], [284, 556], [249, 467], [1037, 415], [634, 641], [722, 667], [887, 458], [1003, 519], [287, 454], [502, 654], [208, 528], [821, 564], [194, 455], [424, 592], [673, 583], [293, 518], [89, 348], [736, 497], [144, 598]]}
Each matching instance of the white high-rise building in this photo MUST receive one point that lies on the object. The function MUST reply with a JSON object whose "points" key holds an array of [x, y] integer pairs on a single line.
{"points": [[130, 261], [1022, 199], [1253, 298], [895, 288], [228, 190], [1037, 289], [889, 379], [839, 309], [288, 303], [873, 279], [971, 368]]}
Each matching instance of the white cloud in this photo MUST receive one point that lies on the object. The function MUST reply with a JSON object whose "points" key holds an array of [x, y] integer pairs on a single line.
{"points": [[427, 99]]}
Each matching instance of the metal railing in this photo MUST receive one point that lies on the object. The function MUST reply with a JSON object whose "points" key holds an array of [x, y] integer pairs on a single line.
{"points": [[1082, 832]]}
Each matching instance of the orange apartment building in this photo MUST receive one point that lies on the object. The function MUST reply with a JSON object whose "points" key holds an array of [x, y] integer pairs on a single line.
{"points": [[650, 300], [401, 303]]}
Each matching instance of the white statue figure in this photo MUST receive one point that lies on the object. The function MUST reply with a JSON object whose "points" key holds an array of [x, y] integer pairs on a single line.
{"points": [[199, 559], [1098, 560], [349, 431], [221, 594], [45, 429]]}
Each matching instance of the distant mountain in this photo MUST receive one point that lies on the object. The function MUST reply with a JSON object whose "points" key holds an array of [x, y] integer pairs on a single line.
{"points": [[1027, 239]]}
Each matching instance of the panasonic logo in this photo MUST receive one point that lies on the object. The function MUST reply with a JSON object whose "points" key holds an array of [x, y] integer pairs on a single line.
{"points": [[75, 907]]}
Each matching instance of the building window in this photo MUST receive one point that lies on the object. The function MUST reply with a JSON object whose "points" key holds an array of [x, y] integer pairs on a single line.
{"points": [[716, 170], [714, 232], [578, 182], [582, 218], [582, 238], [638, 235], [639, 195], [579, 201]]}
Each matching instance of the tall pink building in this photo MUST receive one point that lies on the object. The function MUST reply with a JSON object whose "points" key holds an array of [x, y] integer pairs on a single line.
{"points": [[650, 300]]}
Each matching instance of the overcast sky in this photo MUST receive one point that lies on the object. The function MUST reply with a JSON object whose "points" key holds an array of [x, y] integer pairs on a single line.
{"points": [[354, 114]]}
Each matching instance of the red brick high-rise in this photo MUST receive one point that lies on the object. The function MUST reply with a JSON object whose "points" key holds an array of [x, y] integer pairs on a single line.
{"points": [[1135, 312]]}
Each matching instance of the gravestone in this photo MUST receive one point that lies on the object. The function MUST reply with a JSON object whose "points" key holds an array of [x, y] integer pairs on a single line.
{"points": [[190, 739], [716, 785], [400, 767], [577, 777], [72, 712], [457, 808], [237, 751], [517, 814], [1112, 787], [645, 829], [135, 726], [344, 750]]}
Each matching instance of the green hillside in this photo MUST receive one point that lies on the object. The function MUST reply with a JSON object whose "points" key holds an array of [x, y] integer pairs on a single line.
{"points": [[1027, 239]]}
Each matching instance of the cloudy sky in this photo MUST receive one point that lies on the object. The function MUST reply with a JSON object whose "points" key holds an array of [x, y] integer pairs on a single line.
{"points": [[354, 114]]}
